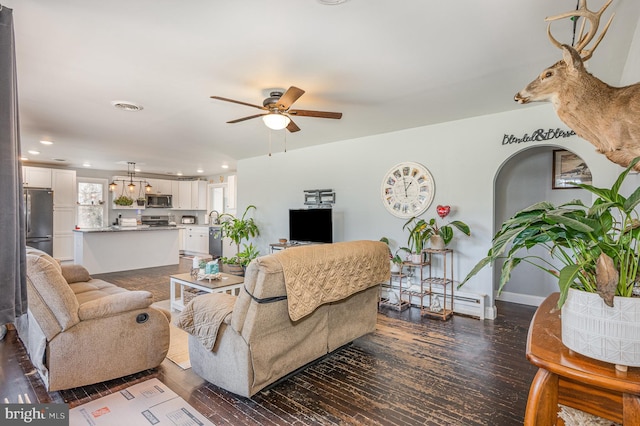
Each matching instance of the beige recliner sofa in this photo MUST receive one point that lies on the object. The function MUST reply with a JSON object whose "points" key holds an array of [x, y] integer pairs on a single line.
{"points": [[80, 330], [298, 305]]}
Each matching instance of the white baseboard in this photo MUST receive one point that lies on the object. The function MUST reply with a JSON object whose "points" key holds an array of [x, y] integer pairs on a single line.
{"points": [[523, 299]]}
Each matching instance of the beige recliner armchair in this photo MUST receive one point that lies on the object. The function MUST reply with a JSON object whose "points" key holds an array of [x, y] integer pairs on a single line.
{"points": [[80, 330]]}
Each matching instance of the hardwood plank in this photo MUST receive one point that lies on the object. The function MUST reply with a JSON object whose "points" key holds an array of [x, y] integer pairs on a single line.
{"points": [[411, 370]]}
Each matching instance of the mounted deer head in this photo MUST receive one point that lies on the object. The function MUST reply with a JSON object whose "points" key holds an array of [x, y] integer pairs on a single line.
{"points": [[608, 117]]}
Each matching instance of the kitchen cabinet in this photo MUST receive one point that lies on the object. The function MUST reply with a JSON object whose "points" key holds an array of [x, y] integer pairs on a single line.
{"points": [[64, 188], [189, 194], [63, 184], [159, 186], [36, 177], [181, 191], [199, 195], [196, 239], [182, 235]]}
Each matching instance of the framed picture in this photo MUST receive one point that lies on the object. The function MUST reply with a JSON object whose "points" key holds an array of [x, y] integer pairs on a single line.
{"points": [[568, 169]]}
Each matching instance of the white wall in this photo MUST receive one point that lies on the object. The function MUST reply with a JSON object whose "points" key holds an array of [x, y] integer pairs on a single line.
{"points": [[464, 158], [527, 178]]}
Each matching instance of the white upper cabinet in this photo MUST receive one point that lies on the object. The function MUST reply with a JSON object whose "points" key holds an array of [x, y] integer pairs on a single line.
{"points": [[189, 194], [160, 186], [64, 188], [199, 195], [36, 177], [181, 191]]}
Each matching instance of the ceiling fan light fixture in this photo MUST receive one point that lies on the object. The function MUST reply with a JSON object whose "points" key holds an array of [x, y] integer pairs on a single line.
{"points": [[276, 121]]}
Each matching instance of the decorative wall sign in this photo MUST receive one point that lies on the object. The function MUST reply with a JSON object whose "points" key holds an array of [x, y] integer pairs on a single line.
{"points": [[319, 197], [539, 135], [569, 168]]}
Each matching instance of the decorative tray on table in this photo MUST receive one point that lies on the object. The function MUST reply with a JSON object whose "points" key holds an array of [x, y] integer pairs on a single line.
{"points": [[210, 277]]}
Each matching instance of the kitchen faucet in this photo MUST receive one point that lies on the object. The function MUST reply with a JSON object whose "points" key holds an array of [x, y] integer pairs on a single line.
{"points": [[217, 221]]}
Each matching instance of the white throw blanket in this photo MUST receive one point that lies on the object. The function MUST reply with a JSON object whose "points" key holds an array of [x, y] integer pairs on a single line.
{"points": [[203, 316]]}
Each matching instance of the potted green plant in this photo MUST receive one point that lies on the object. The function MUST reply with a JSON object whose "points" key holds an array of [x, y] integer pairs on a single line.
{"points": [[416, 240], [239, 230], [140, 201], [594, 252], [439, 237], [123, 200], [396, 260]]}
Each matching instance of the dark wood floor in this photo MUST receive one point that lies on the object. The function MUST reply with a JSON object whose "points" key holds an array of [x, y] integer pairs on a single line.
{"points": [[410, 371]]}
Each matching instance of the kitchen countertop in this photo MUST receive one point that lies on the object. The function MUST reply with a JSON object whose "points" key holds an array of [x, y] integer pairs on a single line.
{"points": [[128, 228]]}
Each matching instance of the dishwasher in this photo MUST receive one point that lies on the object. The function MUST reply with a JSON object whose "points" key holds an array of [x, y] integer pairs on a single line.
{"points": [[215, 242]]}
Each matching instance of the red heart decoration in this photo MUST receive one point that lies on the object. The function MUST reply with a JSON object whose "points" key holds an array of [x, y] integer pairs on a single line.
{"points": [[443, 211]]}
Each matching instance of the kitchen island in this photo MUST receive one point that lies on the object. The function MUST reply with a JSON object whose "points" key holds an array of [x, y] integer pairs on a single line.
{"points": [[102, 250]]}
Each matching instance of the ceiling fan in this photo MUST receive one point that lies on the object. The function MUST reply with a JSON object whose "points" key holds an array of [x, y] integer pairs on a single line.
{"points": [[278, 113]]}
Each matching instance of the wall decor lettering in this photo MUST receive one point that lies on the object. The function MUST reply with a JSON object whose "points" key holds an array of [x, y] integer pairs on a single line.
{"points": [[538, 136]]}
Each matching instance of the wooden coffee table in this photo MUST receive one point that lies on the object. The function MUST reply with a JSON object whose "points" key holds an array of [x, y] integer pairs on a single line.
{"points": [[227, 284], [565, 377]]}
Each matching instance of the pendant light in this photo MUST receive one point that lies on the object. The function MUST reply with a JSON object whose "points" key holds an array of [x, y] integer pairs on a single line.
{"points": [[131, 171]]}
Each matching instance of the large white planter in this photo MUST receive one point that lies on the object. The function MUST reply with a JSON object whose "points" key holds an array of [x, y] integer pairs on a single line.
{"points": [[593, 329]]}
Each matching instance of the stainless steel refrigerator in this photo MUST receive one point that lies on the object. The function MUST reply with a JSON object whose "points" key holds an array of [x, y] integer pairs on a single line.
{"points": [[38, 207]]}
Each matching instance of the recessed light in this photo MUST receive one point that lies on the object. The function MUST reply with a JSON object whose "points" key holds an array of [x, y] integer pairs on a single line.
{"points": [[200, 171], [126, 106], [33, 152], [85, 164], [225, 166], [24, 159], [331, 2], [46, 142], [179, 173]]}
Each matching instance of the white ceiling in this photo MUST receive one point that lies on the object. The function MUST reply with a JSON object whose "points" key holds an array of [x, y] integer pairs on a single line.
{"points": [[385, 64]]}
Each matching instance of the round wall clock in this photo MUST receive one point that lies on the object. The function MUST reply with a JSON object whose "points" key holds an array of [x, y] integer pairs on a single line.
{"points": [[407, 189]]}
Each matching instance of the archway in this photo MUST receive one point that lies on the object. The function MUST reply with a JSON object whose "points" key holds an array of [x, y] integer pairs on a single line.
{"points": [[524, 179]]}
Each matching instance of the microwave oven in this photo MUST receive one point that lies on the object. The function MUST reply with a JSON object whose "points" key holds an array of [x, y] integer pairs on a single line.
{"points": [[158, 201]]}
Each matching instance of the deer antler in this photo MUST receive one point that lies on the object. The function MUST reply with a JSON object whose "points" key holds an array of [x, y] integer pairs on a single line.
{"points": [[585, 39]]}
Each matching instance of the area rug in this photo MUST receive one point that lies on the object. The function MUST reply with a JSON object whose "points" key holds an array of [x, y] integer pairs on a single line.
{"points": [[178, 340], [573, 417], [148, 403], [179, 348]]}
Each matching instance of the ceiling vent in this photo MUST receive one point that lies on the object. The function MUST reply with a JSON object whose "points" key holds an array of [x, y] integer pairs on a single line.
{"points": [[126, 106]]}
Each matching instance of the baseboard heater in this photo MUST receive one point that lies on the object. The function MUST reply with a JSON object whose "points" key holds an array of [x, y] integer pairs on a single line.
{"points": [[464, 303]]}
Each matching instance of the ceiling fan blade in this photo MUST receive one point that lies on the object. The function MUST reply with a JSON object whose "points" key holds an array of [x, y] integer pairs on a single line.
{"points": [[289, 97], [321, 114], [237, 102], [246, 118], [293, 127]]}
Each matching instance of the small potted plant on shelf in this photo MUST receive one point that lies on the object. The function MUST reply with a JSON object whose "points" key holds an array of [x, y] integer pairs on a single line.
{"points": [[396, 260], [416, 240], [140, 201], [123, 200], [238, 230], [595, 254], [439, 236]]}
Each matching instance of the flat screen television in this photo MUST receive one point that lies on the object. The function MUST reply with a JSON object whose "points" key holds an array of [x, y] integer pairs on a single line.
{"points": [[311, 225]]}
